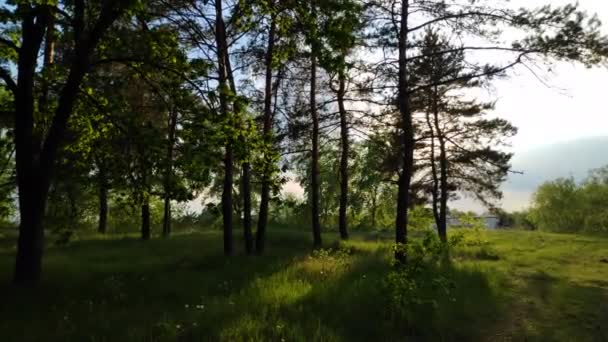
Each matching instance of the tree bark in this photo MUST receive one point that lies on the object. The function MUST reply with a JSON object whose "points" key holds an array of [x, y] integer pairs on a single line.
{"points": [[343, 159], [435, 189], [406, 137], [315, 183], [247, 234], [374, 207], [222, 49], [35, 160], [145, 220], [267, 131], [33, 186], [169, 174], [102, 226], [443, 167], [49, 59], [167, 217]]}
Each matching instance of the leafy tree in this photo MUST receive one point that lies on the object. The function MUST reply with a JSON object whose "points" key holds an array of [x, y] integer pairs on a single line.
{"points": [[36, 148]]}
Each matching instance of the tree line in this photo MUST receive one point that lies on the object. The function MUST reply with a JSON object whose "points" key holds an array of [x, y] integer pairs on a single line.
{"points": [[147, 101]]}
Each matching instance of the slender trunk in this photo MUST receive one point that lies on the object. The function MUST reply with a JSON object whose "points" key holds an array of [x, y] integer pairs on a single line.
{"points": [[145, 220], [267, 131], [406, 137], [247, 234], [103, 201], [435, 189], [443, 166], [169, 174], [227, 199], [222, 49], [315, 183], [49, 59], [167, 216], [246, 174], [343, 159], [374, 209]]}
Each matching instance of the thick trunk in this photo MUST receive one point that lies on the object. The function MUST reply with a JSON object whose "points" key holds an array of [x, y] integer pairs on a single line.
{"points": [[343, 159], [315, 182], [33, 185], [145, 220], [406, 137], [34, 163], [222, 56], [103, 203], [28, 264], [267, 131]]}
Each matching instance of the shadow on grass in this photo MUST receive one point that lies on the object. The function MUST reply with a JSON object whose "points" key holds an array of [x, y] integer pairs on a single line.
{"points": [[351, 304], [559, 310], [125, 289]]}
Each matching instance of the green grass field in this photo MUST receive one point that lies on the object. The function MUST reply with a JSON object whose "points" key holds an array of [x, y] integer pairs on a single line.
{"points": [[519, 286]]}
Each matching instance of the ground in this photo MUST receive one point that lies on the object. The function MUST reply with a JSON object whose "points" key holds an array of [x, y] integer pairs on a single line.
{"points": [[513, 286]]}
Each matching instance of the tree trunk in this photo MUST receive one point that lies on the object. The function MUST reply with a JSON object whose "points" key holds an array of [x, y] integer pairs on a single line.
{"points": [[315, 183], [145, 220], [443, 166], [247, 208], [33, 185], [343, 159], [28, 264], [49, 59], [267, 131], [167, 216], [35, 160], [406, 137], [222, 56], [435, 190], [374, 207], [103, 202], [169, 174]]}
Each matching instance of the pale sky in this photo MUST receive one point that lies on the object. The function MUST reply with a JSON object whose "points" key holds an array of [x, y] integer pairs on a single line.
{"points": [[574, 106]]}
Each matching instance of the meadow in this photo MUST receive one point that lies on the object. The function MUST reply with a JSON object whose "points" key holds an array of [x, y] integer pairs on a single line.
{"points": [[511, 286]]}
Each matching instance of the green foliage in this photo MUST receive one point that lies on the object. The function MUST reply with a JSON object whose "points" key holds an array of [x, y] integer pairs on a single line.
{"points": [[417, 287], [565, 206], [7, 178]]}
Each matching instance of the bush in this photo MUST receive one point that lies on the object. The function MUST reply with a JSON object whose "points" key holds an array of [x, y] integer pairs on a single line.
{"points": [[416, 287]]}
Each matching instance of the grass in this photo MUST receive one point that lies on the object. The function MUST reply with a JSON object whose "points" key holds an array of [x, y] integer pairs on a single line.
{"points": [[517, 286]]}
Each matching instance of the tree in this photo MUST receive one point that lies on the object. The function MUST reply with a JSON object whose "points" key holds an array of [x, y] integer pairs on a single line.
{"points": [[36, 151], [469, 158], [561, 33], [340, 30]]}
